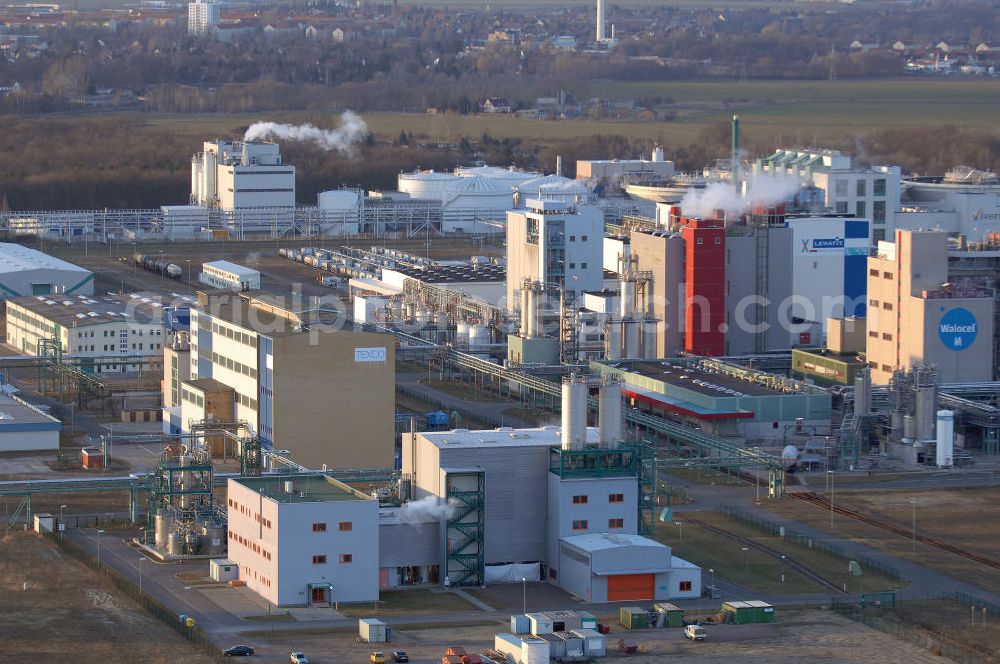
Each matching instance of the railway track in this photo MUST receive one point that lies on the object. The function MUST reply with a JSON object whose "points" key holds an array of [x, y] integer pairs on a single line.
{"points": [[820, 501], [774, 553]]}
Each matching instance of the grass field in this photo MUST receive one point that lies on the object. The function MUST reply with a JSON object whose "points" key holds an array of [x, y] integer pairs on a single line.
{"points": [[957, 516], [67, 613], [771, 111], [754, 569]]}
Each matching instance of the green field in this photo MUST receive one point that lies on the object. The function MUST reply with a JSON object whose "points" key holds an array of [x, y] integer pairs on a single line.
{"points": [[789, 111]]}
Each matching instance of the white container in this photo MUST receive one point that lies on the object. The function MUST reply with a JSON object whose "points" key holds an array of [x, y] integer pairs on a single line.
{"points": [[540, 623], [534, 651], [593, 642], [371, 630], [508, 644]]}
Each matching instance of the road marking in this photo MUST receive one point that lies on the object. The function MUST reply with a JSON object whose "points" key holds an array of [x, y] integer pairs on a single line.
{"points": [[148, 451]]}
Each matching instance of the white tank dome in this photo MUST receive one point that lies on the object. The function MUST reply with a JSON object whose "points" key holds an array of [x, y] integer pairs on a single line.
{"points": [[338, 199], [425, 184], [508, 176], [790, 453]]}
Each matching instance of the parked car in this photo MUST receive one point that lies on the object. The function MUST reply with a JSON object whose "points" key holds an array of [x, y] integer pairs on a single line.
{"points": [[238, 651], [377, 657], [400, 656], [298, 658], [695, 632]]}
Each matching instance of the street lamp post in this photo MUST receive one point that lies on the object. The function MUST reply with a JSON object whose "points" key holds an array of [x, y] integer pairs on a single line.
{"points": [[746, 563], [62, 527], [142, 559], [913, 523], [189, 271], [99, 547], [782, 568], [711, 572], [680, 533], [524, 595], [830, 475]]}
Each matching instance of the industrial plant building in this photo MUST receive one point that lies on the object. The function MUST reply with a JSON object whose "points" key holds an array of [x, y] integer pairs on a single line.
{"points": [[303, 539], [243, 176], [965, 202], [24, 427], [26, 271], [919, 313], [118, 330], [326, 395]]}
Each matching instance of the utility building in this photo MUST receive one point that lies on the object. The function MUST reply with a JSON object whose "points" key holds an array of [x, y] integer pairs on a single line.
{"points": [[919, 313], [25, 271], [325, 394], [240, 175]]}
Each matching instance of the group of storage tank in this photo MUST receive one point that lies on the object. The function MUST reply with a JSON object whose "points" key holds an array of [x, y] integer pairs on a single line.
{"points": [[177, 537], [471, 335]]}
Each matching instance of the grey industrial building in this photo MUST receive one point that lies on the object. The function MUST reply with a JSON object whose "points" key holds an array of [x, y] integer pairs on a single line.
{"points": [[26, 271]]}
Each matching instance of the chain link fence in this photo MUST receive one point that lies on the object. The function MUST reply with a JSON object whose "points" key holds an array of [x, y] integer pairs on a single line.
{"points": [[194, 634], [810, 541]]}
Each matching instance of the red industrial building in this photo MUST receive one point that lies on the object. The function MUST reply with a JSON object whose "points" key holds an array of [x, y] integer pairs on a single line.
{"points": [[705, 286]]}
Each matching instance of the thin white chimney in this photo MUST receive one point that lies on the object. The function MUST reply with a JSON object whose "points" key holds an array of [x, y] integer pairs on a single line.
{"points": [[609, 412], [574, 412], [600, 20]]}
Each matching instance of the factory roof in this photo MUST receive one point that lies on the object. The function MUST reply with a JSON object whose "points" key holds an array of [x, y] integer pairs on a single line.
{"points": [[18, 415], [208, 385], [444, 274], [232, 268], [305, 488], [593, 542], [691, 378], [502, 437], [16, 257], [81, 310]]}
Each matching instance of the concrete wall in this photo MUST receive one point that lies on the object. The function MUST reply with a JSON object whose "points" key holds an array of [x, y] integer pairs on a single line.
{"points": [[27, 440], [251, 544], [664, 257], [596, 511]]}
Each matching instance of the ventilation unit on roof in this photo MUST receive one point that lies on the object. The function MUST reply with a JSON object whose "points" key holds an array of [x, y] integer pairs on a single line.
{"points": [[68, 303], [93, 314]]}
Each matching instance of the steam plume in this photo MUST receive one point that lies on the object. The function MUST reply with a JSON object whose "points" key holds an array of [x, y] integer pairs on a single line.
{"points": [[342, 139], [430, 508], [761, 190]]}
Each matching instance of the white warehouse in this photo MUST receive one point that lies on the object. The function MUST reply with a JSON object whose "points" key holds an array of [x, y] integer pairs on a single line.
{"points": [[239, 175]]}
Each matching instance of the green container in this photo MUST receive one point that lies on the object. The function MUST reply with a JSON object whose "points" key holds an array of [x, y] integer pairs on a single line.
{"points": [[675, 614], [749, 612], [633, 617]]}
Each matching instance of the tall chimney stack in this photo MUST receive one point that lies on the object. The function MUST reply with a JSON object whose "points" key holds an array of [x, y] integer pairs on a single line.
{"points": [[600, 21]]}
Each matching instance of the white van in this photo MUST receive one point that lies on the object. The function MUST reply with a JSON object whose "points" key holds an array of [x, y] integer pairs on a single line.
{"points": [[695, 632]]}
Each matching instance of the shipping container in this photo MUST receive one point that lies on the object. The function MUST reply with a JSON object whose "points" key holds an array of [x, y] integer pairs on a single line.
{"points": [[587, 620], [668, 615], [509, 645], [534, 651], [633, 617], [574, 644], [749, 612], [593, 642], [557, 647], [540, 623], [519, 624], [372, 630], [563, 621]]}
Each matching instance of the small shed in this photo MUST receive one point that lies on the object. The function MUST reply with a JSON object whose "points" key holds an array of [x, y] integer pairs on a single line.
{"points": [[44, 522], [557, 647], [587, 620], [573, 644], [519, 624], [748, 612], [564, 621], [372, 630], [223, 570], [508, 644], [540, 623], [633, 617], [668, 615], [92, 458]]}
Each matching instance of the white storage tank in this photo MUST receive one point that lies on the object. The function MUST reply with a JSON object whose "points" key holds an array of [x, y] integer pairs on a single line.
{"points": [[479, 336], [425, 184], [945, 438], [462, 334]]}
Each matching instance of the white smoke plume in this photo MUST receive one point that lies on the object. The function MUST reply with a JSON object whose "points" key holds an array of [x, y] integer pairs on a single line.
{"points": [[761, 190], [343, 139], [430, 508]]}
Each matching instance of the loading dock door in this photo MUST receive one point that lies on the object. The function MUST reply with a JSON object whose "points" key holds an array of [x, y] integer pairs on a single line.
{"points": [[630, 586]]}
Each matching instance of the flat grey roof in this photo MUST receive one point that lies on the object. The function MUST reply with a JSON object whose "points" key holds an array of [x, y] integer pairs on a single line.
{"points": [[503, 437], [232, 268], [306, 488], [83, 310], [691, 378]]}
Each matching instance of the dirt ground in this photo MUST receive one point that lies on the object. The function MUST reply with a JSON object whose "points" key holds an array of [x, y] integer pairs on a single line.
{"points": [[956, 516], [67, 613], [800, 636]]}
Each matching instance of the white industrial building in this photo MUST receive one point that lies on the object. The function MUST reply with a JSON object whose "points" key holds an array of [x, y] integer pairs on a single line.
{"points": [[24, 427], [867, 193], [964, 202], [26, 271], [339, 211], [608, 174], [224, 274], [112, 328], [241, 175], [304, 539], [202, 16], [551, 188]]}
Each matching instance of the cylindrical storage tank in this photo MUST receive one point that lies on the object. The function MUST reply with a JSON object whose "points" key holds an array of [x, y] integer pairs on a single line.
{"points": [[574, 418], [626, 298], [479, 336], [631, 338], [214, 540], [164, 525], [462, 334], [174, 543], [926, 410], [909, 427], [425, 184], [613, 339], [529, 313], [649, 340], [945, 438], [534, 651], [609, 416], [862, 393]]}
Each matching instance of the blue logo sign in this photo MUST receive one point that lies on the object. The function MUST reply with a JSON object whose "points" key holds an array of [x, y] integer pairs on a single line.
{"points": [[958, 329], [818, 244]]}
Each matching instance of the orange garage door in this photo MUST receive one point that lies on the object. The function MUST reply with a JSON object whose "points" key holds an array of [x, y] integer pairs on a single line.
{"points": [[630, 586]]}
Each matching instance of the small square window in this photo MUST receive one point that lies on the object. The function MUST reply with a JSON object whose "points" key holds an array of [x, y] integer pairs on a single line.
{"points": [[616, 523], [345, 526], [319, 527], [616, 498], [346, 558], [319, 560], [580, 500], [684, 586], [580, 524]]}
